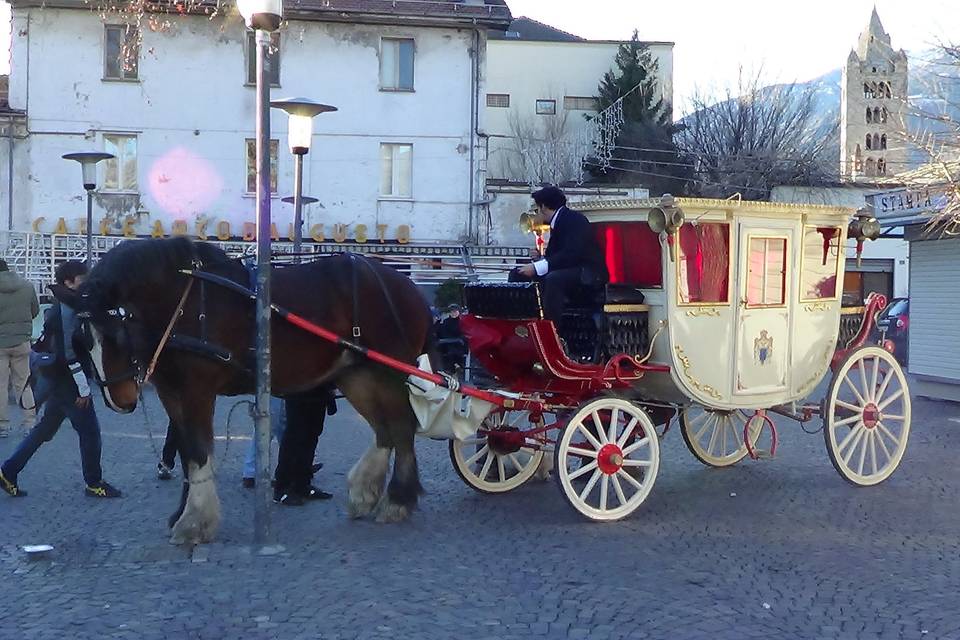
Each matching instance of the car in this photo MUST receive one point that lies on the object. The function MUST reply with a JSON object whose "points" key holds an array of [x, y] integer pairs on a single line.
{"points": [[894, 321]]}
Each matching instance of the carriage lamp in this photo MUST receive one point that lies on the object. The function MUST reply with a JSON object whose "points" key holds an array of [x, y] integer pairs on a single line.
{"points": [[302, 111], [863, 227], [88, 167], [666, 218], [263, 15]]}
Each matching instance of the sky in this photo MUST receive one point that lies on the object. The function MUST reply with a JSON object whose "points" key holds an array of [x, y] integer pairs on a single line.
{"points": [[789, 40]]}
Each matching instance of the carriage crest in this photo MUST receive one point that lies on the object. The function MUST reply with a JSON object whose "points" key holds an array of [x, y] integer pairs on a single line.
{"points": [[763, 348]]}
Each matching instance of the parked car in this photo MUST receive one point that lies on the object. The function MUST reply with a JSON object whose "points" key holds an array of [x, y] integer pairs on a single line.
{"points": [[895, 321]]}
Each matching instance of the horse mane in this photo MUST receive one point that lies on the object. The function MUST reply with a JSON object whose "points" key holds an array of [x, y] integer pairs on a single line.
{"points": [[135, 264]]}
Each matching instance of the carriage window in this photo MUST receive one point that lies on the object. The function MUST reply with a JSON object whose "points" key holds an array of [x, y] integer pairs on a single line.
{"points": [[766, 278], [632, 253], [703, 263], [821, 253]]}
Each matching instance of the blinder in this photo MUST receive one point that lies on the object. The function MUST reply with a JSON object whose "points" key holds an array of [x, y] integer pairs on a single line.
{"points": [[116, 324]]}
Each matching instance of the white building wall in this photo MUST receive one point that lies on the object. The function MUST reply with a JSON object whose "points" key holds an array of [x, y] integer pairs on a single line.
{"points": [[192, 111], [529, 71]]}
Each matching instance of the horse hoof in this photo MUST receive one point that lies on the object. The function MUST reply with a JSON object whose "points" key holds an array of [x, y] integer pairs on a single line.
{"points": [[390, 512], [362, 501]]}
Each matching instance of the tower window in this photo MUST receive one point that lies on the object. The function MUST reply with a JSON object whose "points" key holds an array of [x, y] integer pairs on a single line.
{"points": [[858, 160], [888, 93], [883, 115], [874, 69], [871, 167], [881, 167], [883, 141], [876, 141], [874, 90], [876, 114], [866, 91], [869, 142], [869, 115]]}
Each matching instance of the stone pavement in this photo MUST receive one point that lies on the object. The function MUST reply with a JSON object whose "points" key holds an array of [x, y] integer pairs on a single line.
{"points": [[796, 553]]}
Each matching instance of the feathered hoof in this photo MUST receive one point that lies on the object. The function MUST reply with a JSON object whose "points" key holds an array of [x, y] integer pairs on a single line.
{"points": [[391, 512]]}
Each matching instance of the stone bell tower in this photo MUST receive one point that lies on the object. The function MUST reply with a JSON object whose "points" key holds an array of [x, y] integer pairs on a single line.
{"points": [[873, 108]]}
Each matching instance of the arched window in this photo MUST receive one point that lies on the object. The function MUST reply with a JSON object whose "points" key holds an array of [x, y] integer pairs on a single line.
{"points": [[869, 115], [875, 90], [871, 167], [866, 90], [858, 160], [876, 141], [876, 114], [883, 141], [883, 115], [889, 93], [869, 144], [881, 167]]}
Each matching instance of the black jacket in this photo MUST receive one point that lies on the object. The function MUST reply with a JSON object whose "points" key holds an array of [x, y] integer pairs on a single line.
{"points": [[573, 244]]}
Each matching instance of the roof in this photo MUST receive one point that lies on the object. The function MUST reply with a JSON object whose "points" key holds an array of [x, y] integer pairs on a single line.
{"points": [[491, 14], [524, 28]]}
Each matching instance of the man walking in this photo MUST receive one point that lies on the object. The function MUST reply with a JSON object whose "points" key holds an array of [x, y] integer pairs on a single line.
{"points": [[18, 308], [69, 395]]}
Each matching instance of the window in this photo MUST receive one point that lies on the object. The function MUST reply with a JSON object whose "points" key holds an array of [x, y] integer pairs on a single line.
{"points": [[121, 52], [883, 141], [499, 100], [396, 170], [766, 272], [869, 142], [821, 254], [869, 115], [546, 107], [577, 103], [881, 167], [272, 62], [883, 115], [703, 263], [120, 173], [252, 165], [858, 160], [876, 141], [871, 167], [866, 91], [876, 114], [396, 64]]}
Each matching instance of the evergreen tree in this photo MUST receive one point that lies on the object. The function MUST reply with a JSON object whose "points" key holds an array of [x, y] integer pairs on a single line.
{"points": [[645, 152]]}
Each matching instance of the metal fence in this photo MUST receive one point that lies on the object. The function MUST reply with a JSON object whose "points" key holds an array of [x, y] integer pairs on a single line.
{"points": [[36, 255]]}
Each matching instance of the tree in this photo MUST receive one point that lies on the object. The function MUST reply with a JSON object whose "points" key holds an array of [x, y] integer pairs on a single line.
{"points": [[543, 150], [644, 149], [758, 138]]}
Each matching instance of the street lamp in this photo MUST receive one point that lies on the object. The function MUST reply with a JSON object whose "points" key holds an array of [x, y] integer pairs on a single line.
{"points": [[302, 111], [298, 219], [264, 16], [88, 166]]}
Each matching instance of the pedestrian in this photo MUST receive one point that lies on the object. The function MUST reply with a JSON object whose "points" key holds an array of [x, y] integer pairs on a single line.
{"points": [[69, 394], [18, 308], [450, 341]]}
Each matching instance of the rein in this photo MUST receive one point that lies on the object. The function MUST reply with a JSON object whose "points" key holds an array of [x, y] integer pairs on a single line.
{"points": [[166, 334]]}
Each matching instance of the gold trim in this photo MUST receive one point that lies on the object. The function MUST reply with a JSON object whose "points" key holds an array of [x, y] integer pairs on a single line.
{"points": [[852, 311], [816, 306], [710, 203], [625, 308], [696, 384], [841, 241], [704, 311]]}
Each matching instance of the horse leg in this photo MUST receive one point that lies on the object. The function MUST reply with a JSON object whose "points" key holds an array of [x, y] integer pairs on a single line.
{"points": [[380, 396], [177, 434], [200, 516]]}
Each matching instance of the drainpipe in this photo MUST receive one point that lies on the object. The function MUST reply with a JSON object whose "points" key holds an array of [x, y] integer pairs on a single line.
{"points": [[10, 176], [474, 123]]}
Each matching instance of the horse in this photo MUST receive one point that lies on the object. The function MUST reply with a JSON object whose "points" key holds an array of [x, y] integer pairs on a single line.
{"points": [[140, 290]]}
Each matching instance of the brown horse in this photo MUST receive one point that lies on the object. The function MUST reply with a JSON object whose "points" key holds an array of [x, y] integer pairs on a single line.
{"points": [[132, 295]]}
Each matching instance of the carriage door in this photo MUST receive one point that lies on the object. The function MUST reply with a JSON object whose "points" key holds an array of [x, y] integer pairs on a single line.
{"points": [[761, 360]]}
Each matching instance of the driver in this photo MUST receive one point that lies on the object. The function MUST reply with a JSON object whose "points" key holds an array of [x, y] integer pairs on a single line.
{"points": [[69, 392]]}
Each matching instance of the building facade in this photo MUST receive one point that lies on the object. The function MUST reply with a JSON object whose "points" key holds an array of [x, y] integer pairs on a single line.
{"points": [[401, 161], [541, 85], [872, 107]]}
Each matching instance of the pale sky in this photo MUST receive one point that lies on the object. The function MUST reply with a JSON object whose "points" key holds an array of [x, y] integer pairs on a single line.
{"points": [[789, 39]]}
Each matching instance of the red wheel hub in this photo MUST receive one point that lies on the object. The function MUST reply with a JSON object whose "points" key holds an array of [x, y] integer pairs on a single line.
{"points": [[610, 459], [871, 415], [506, 441]]}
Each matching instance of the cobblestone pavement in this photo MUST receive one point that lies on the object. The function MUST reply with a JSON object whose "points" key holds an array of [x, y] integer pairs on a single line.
{"points": [[796, 553]]}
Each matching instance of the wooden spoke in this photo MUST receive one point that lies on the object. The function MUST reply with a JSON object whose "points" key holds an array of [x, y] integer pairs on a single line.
{"points": [[850, 436], [614, 424], [867, 391], [712, 418], [618, 489], [847, 405], [486, 466], [473, 458], [873, 451], [500, 469], [589, 436], [590, 485], [886, 403], [883, 429], [856, 391], [601, 432], [864, 441], [516, 463], [604, 489], [636, 463], [629, 478], [479, 454], [872, 393], [587, 468], [853, 445], [627, 433], [636, 445]]}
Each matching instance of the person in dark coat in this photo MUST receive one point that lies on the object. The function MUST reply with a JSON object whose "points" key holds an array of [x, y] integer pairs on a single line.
{"points": [[450, 341], [573, 258]]}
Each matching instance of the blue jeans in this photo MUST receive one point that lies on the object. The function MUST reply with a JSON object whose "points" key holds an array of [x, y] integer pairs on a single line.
{"points": [[278, 423], [59, 406]]}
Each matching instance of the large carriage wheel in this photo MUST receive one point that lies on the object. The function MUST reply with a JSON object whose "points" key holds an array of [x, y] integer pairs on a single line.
{"points": [[866, 418], [607, 459], [498, 462], [715, 436]]}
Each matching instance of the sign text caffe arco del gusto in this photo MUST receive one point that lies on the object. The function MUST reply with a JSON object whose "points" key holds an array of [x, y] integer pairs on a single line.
{"points": [[222, 230]]}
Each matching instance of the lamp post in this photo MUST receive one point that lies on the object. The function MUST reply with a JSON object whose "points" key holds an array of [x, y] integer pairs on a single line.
{"points": [[88, 166], [265, 17], [298, 204], [302, 111]]}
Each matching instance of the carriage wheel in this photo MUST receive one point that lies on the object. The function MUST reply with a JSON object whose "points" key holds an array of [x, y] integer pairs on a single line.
{"points": [[715, 436], [496, 462], [866, 420], [607, 459]]}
